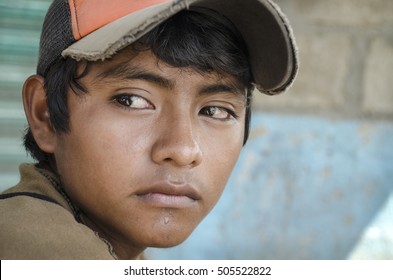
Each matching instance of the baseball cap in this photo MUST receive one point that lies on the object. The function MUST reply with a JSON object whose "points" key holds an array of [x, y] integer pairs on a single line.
{"points": [[95, 30]]}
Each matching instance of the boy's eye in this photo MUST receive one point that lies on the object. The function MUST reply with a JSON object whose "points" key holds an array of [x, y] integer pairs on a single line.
{"points": [[133, 102], [219, 113]]}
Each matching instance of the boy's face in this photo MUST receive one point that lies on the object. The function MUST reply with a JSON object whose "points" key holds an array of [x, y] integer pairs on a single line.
{"points": [[150, 149]]}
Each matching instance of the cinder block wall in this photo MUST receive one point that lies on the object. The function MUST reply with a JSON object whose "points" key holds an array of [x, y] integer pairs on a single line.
{"points": [[346, 55]]}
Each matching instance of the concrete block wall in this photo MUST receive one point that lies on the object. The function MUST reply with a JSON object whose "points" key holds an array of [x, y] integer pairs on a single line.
{"points": [[346, 59]]}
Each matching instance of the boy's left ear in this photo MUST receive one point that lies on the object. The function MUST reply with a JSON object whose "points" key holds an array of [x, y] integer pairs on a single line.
{"points": [[37, 114]]}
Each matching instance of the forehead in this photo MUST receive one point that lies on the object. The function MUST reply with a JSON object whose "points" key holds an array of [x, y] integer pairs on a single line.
{"points": [[129, 64]]}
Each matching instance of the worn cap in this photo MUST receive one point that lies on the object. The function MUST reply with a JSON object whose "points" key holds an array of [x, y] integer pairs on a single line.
{"points": [[97, 29]]}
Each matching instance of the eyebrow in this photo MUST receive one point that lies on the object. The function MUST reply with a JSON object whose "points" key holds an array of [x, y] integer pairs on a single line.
{"points": [[125, 71], [219, 88]]}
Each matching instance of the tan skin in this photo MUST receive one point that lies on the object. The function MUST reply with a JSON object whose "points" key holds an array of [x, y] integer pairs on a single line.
{"points": [[150, 148]]}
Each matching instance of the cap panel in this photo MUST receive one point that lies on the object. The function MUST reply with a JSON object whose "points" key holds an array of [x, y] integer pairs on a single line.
{"points": [[109, 39], [88, 16], [56, 35]]}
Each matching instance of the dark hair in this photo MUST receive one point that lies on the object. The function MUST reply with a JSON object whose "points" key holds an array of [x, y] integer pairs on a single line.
{"points": [[199, 39]]}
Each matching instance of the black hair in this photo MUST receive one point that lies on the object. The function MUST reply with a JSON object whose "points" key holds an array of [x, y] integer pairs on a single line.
{"points": [[199, 39]]}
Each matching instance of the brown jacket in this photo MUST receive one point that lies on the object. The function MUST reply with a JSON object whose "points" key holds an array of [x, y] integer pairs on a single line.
{"points": [[38, 221]]}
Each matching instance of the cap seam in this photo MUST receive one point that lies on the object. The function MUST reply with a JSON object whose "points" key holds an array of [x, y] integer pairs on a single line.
{"points": [[76, 19]]}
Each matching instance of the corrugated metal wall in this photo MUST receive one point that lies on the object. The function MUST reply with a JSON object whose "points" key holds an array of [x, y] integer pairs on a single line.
{"points": [[20, 25]]}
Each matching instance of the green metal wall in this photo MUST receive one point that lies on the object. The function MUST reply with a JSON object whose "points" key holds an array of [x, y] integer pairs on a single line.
{"points": [[20, 25]]}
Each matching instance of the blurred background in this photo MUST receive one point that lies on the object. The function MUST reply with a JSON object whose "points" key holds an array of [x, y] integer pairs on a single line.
{"points": [[315, 180]]}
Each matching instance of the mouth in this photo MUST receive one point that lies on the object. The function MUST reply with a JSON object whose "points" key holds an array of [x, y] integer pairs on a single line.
{"points": [[166, 195]]}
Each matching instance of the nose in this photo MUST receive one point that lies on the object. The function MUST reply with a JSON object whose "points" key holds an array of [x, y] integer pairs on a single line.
{"points": [[177, 143]]}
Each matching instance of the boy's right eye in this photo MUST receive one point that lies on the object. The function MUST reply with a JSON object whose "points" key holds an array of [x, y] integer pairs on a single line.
{"points": [[135, 102]]}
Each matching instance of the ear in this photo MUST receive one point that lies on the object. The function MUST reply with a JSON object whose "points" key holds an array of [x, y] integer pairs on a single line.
{"points": [[37, 114]]}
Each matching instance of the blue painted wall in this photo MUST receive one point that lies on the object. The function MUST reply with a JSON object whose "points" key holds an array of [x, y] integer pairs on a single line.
{"points": [[304, 188]]}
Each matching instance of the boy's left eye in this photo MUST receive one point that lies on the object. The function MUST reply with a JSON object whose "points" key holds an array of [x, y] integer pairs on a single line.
{"points": [[218, 113]]}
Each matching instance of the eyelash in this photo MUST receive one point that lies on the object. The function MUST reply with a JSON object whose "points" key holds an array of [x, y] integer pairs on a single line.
{"points": [[208, 111], [231, 114]]}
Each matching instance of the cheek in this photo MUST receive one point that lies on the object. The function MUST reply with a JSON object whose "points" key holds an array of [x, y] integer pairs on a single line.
{"points": [[219, 160], [100, 158]]}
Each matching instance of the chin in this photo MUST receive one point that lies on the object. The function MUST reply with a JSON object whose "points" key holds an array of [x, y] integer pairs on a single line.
{"points": [[167, 239], [166, 242], [165, 230]]}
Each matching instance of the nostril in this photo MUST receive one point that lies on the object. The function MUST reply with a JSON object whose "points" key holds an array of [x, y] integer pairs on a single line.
{"points": [[177, 156]]}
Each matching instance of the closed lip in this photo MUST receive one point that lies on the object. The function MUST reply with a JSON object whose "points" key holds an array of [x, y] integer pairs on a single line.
{"points": [[169, 195]]}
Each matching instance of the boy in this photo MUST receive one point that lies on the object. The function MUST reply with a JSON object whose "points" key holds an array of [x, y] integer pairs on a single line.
{"points": [[137, 115]]}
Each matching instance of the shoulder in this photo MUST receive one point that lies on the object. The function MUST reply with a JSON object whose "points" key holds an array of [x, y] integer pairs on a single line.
{"points": [[38, 228]]}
